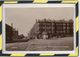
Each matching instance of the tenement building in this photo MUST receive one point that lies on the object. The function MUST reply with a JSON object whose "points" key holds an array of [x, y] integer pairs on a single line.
{"points": [[11, 34], [51, 28]]}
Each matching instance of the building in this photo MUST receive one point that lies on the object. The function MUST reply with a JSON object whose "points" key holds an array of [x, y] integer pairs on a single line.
{"points": [[51, 28], [34, 31], [11, 34], [15, 35]]}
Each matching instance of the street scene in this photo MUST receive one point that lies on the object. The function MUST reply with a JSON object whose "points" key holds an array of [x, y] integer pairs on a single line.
{"points": [[43, 29]]}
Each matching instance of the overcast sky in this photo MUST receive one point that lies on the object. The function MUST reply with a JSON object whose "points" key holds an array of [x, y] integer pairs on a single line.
{"points": [[24, 18]]}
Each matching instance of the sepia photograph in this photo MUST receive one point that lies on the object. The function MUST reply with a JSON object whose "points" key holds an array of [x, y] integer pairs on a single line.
{"points": [[39, 28]]}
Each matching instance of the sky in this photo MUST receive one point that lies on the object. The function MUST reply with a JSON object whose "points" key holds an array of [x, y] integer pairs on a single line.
{"points": [[23, 19]]}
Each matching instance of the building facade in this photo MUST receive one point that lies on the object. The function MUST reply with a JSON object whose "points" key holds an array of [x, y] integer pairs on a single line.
{"points": [[51, 28], [11, 34]]}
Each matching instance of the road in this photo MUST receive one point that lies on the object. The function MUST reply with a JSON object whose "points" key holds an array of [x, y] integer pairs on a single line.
{"points": [[59, 44]]}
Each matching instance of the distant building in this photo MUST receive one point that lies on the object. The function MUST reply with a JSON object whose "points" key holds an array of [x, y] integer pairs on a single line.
{"points": [[21, 36], [51, 28], [15, 34]]}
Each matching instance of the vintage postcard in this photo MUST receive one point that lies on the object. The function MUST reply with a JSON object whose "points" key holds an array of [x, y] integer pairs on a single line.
{"points": [[39, 28]]}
